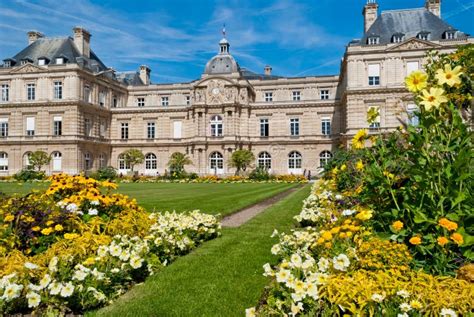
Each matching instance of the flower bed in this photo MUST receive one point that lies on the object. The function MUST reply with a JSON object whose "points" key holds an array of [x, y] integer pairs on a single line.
{"points": [[77, 246]]}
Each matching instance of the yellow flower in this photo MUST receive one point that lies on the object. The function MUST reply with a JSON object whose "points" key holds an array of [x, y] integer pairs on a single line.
{"points": [[456, 237], [9, 218], [89, 261], [58, 228], [397, 225], [433, 98], [359, 165], [449, 76], [450, 225], [416, 81], [442, 241], [359, 138], [364, 214], [36, 228], [416, 304], [415, 240], [47, 231], [343, 167], [326, 235], [49, 223], [70, 236]]}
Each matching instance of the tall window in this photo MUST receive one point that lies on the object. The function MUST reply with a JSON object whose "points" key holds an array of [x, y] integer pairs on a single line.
{"points": [[26, 160], [57, 126], [177, 129], [102, 128], [324, 158], [264, 160], [374, 74], [102, 98], [216, 162], [294, 160], [165, 101], [102, 160], [216, 126], [412, 111], [114, 101], [150, 130], [87, 161], [5, 92], [324, 94], [122, 164], [188, 100], [412, 66], [58, 90], [141, 102], [124, 131], [296, 95], [295, 126], [326, 126], [87, 93], [87, 127], [57, 161], [3, 127], [3, 161], [423, 36], [31, 91], [264, 127], [269, 96], [375, 124], [373, 40], [30, 126], [150, 161]]}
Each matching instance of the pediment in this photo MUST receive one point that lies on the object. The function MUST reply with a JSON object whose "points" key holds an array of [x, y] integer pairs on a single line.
{"points": [[413, 44], [28, 68], [213, 80]]}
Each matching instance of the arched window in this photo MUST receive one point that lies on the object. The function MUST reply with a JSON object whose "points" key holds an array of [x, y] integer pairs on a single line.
{"points": [[324, 158], [150, 161], [216, 163], [216, 126], [294, 162], [102, 160], [3, 161], [26, 160], [264, 160], [57, 161], [122, 165], [87, 161]]}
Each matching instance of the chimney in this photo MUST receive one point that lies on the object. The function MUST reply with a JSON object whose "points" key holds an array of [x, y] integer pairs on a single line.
{"points": [[82, 39], [370, 14], [268, 70], [33, 36], [434, 6], [145, 74]]}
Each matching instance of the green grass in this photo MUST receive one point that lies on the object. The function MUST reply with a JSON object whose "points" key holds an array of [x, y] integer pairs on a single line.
{"points": [[223, 277], [20, 188]]}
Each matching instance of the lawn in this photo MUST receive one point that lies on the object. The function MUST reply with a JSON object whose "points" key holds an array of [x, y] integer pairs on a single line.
{"points": [[209, 198], [220, 278]]}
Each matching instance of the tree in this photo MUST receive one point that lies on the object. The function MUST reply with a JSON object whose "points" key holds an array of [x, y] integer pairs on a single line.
{"points": [[177, 162], [241, 159], [38, 159], [133, 157]]}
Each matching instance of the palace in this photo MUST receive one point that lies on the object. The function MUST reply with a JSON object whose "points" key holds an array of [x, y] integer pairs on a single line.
{"points": [[57, 96]]}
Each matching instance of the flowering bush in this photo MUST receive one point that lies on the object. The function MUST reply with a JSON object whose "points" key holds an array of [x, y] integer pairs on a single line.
{"points": [[77, 246]]}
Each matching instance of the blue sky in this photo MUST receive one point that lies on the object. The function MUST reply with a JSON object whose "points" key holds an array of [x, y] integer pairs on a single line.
{"points": [[177, 37]]}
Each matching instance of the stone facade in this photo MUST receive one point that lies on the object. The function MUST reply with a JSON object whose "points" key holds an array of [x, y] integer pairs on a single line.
{"points": [[293, 124]]}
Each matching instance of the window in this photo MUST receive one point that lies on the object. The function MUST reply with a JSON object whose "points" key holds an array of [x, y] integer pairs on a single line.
{"points": [[411, 67], [87, 127], [57, 161], [216, 126], [26, 160], [58, 90], [124, 131], [57, 126], [264, 161], [373, 40], [102, 98], [87, 161], [102, 128], [397, 38], [30, 91], [3, 161], [102, 160], [412, 113], [326, 126], [122, 163], [295, 127], [30, 126], [177, 127], [141, 102], [7, 64], [87, 94], [165, 101], [264, 127], [5, 92], [188, 100], [269, 96], [114, 101], [374, 74], [450, 35], [423, 36], [41, 61], [3, 127], [375, 124], [216, 163], [324, 94], [150, 130], [296, 95], [294, 160], [324, 158], [150, 161], [60, 60]]}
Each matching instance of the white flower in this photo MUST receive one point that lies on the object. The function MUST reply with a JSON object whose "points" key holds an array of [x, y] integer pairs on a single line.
{"points": [[72, 207], [276, 249], [115, 270], [97, 274], [45, 281], [34, 299], [34, 287], [11, 291], [338, 197], [60, 204], [79, 275], [348, 212], [403, 315], [448, 312], [31, 266], [67, 290], [378, 297], [53, 264], [274, 233], [95, 203], [282, 276], [341, 262], [312, 290], [296, 308], [93, 212], [115, 250], [296, 260], [268, 270], [55, 288], [136, 262], [124, 255], [250, 312], [102, 251], [403, 293], [323, 264], [405, 307]]}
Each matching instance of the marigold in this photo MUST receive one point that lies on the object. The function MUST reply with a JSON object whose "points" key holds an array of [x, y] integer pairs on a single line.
{"points": [[326, 235], [416, 81], [58, 228], [364, 214], [449, 76], [450, 225], [397, 225], [359, 138], [70, 236], [9, 218], [457, 237], [433, 98], [415, 240], [442, 241], [36, 228], [359, 165], [47, 231]]}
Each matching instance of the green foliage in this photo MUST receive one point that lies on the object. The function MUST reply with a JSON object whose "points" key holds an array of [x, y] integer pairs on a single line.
{"points": [[241, 159], [105, 173], [133, 157], [260, 174], [29, 175], [38, 159], [177, 163]]}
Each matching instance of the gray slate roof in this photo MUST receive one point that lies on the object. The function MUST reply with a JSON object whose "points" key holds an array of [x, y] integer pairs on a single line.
{"points": [[129, 78], [249, 75], [408, 22]]}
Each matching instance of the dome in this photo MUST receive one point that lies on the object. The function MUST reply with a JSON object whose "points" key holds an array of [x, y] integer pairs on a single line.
{"points": [[222, 63]]}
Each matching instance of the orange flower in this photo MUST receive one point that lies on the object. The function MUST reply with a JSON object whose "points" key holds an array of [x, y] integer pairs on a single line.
{"points": [[415, 240], [397, 225], [442, 241], [456, 237], [445, 223]]}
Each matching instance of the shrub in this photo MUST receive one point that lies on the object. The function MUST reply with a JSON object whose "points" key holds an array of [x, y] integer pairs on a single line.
{"points": [[105, 173], [260, 174], [29, 175]]}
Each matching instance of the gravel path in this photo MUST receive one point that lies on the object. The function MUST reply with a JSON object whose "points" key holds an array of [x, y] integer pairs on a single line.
{"points": [[241, 217]]}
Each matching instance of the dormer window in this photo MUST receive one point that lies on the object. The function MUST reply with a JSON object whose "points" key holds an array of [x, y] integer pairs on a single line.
{"points": [[450, 35], [373, 40], [397, 38], [42, 61], [9, 62], [425, 36], [59, 61], [26, 60]]}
